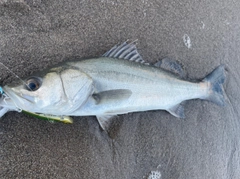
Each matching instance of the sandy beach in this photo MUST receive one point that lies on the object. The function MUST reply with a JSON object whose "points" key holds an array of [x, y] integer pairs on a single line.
{"points": [[35, 35]]}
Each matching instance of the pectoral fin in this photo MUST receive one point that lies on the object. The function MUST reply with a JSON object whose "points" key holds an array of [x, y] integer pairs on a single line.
{"points": [[112, 96]]}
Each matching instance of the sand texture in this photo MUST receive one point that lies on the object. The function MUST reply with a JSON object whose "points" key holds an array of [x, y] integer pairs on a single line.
{"points": [[36, 34]]}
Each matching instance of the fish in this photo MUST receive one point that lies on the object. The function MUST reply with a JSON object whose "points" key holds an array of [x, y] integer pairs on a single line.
{"points": [[118, 82]]}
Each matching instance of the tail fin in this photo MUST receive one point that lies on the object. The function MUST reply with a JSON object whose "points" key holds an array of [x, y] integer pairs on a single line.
{"points": [[216, 79]]}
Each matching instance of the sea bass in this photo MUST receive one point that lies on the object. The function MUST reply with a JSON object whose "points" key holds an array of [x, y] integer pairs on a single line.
{"points": [[119, 82]]}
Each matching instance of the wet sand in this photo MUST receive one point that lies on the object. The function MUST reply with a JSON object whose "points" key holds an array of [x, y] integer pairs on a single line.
{"points": [[35, 35]]}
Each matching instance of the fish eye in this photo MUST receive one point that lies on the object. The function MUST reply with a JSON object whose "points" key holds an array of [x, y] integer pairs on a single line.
{"points": [[33, 84]]}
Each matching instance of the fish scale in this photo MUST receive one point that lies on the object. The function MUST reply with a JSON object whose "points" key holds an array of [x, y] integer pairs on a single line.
{"points": [[119, 82]]}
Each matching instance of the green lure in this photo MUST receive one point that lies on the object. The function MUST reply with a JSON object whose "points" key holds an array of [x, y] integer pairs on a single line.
{"points": [[64, 119]]}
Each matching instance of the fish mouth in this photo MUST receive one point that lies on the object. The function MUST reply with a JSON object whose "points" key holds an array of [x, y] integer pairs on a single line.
{"points": [[7, 103], [18, 97]]}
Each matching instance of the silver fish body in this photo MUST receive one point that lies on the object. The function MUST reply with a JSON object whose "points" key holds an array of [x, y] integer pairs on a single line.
{"points": [[117, 83], [151, 87]]}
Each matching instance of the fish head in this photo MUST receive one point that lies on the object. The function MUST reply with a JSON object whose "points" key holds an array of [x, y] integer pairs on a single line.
{"points": [[60, 91]]}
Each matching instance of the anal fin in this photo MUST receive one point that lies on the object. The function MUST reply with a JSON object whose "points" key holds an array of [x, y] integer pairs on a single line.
{"points": [[177, 110]]}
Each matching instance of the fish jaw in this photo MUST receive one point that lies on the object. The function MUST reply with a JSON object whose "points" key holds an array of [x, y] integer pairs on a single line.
{"points": [[21, 101], [7, 104]]}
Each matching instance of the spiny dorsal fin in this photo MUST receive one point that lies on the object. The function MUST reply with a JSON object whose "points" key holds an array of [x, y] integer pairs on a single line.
{"points": [[127, 51], [172, 66]]}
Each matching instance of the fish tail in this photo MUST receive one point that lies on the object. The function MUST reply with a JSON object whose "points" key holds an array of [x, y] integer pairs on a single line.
{"points": [[215, 82]]}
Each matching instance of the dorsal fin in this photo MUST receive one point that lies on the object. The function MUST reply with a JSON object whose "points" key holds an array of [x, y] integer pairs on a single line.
{"points": [[172, 66], [127, 51]]}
